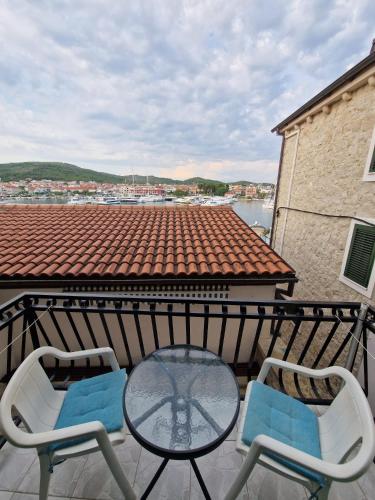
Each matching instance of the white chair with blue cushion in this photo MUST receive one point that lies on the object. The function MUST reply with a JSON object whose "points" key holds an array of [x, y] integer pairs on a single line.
{"points": [[288, 437], [63, 424]]}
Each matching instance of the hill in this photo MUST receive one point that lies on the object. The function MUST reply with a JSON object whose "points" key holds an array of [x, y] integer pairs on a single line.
{"points": [[58, 171], [53, 171]]}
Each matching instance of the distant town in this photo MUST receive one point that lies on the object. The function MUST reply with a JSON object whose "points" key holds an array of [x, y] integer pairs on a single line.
{"points": [[51, 188]]}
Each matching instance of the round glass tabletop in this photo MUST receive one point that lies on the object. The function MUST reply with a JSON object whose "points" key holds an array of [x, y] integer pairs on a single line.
{"points": [[181, 401]]}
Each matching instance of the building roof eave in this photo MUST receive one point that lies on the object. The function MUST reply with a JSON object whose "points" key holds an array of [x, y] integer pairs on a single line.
{"points": [[11, 283], [348, 76]]}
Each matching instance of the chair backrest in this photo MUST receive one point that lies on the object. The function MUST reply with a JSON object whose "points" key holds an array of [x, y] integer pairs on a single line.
{"points": [[346, 424], [32, 395]]}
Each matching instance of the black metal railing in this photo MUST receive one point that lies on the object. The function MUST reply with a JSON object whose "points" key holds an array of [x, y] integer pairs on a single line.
{"points": [[314, 334]]}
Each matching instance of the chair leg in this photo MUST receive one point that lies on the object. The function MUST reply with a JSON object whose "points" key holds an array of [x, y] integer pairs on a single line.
{"points": [[116, 469], [323, 493], [45, 477], [245, 471]]}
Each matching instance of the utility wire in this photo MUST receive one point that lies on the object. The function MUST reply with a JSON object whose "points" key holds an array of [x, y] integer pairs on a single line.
{"points": [[25, 330], [327, 215], [357, 340]]}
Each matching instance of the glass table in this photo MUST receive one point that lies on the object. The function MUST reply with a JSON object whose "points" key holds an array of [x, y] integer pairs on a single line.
{"points": [[180, 403]]}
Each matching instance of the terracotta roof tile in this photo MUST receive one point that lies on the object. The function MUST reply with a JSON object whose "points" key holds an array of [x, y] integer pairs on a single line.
{"points": [[119, 241]]}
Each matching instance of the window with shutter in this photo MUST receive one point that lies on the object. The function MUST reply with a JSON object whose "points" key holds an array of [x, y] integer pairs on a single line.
{"points": [[369, 173], [361, 256], [372, 164]]}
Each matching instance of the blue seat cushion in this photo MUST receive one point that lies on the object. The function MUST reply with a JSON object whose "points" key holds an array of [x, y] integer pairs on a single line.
{"points": [[96, 398], [282, 417]]}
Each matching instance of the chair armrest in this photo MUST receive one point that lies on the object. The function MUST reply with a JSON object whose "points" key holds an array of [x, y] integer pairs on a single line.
{"points": [[308, 372], [106, 352], [43, 439], [341, 472]]}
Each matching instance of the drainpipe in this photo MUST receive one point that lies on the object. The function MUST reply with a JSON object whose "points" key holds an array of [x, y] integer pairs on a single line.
{"points": [[356, 336], [297, 132], [277, 191]]}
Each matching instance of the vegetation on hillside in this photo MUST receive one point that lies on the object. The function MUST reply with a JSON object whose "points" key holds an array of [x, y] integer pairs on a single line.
{"points": [[53, 171], [57, 171]]}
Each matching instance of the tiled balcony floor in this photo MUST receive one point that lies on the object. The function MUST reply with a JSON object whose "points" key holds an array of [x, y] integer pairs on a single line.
{"points": [[89, 477]]}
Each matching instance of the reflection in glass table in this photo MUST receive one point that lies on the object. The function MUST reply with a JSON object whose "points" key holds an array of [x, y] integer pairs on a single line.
{"points": [[181, 402]]}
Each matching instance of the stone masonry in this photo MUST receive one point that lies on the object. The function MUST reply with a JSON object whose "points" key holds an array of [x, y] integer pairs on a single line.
{"points": [[330, 162], [329, 150]]}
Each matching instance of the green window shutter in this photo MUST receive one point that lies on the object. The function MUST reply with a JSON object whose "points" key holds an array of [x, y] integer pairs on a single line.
{"points": [[361, 255], [372, 164]]}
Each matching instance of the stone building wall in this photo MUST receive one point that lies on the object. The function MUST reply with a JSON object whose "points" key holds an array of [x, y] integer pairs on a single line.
{"points": [[330, 162], [330, 151]]}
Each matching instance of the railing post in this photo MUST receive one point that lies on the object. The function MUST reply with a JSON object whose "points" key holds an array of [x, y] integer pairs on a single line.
{"points": [[356, 336], [30, 318]]}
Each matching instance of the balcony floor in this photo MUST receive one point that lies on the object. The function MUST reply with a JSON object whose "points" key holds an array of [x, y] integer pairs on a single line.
{"points": [[89, 477]]}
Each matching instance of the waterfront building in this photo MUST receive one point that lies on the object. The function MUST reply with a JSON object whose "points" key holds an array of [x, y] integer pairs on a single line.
{"points": [[251, 191], [236, 189], [141, 190]]}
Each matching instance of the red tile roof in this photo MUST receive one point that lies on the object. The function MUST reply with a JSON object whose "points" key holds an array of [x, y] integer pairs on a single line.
{"points": [[120, 242]]}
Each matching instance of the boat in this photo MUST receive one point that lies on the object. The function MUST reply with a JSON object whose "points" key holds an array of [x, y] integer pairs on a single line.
{"points": [[108, 200], [79, 201], [151, 198], [217, 201], [128, 200], [183, 201]]}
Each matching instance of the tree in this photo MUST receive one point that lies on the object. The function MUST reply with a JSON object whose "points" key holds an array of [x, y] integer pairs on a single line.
{"points": [[179, 193]]}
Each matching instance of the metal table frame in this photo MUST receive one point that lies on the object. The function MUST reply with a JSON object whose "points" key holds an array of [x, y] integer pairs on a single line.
{"points": [[179, 454]]}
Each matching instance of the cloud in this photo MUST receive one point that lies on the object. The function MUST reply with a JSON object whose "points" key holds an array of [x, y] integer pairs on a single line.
{"points": [[177, 88]]}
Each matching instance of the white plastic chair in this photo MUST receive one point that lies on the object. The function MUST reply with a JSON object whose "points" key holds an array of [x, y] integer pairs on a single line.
{"points": [[345, 429], [38, 404]]}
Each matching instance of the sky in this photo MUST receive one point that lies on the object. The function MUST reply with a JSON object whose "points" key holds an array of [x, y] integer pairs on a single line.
{"points": [[170, 88]]}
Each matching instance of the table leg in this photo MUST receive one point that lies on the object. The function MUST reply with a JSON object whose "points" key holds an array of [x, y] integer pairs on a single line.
{"points": [[200, 479], [155, 478]]}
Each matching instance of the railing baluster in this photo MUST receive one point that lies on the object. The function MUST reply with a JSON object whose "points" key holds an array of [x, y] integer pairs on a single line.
{"points": [[261, 311], [77, 335], [92, 335], [239, 336], [42, 330], [125, 339], [280, 312], [342, 347], [306, 348], [138, 328], [187, 323], [9, 350], [335, 358], [292, 339], [153, 325], [170, 323], [224, 310], [205, 325], [38, 323], [325, 344], [106, 329], [60, 333], [23, 340], [365, 360], [288, 349]]}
